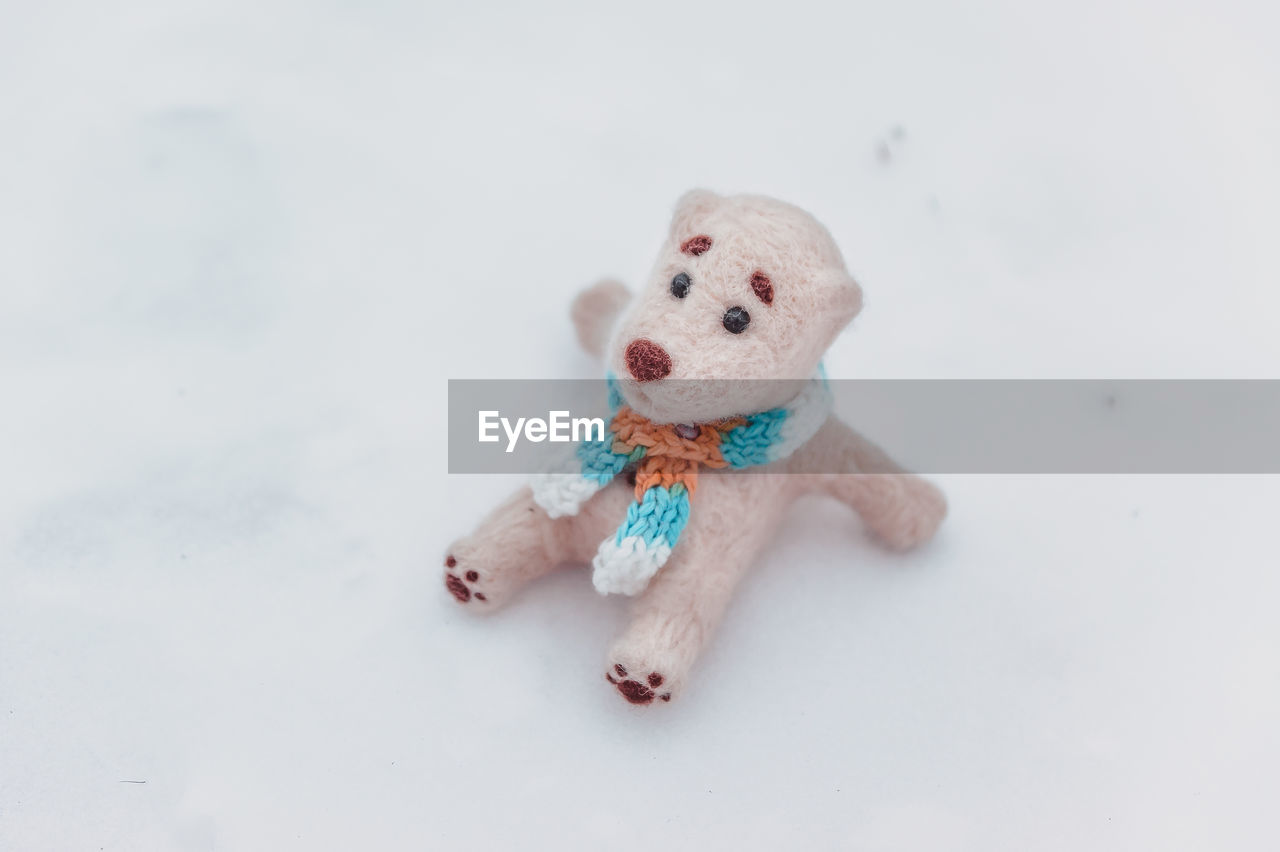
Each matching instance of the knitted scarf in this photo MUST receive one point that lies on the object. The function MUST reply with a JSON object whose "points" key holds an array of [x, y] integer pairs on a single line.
{"points": [[666, 459]]}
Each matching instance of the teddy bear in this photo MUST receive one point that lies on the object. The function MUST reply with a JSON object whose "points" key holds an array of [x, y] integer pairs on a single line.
{"points": [[721, 418]]}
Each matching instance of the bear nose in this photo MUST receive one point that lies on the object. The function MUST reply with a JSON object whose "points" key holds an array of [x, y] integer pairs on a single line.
{"points": [[647, 361]]}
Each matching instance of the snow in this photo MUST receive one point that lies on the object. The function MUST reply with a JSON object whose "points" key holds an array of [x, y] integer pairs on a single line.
{"points": [[246, 244]]}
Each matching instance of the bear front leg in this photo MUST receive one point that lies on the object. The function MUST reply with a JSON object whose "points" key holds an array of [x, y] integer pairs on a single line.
{"points": [[899, 508], [518, 543]]}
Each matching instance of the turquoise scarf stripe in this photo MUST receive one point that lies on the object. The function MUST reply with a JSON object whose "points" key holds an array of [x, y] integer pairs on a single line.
{"points": [[662, 513], [753, 442], [616, 399], [600, 463]]}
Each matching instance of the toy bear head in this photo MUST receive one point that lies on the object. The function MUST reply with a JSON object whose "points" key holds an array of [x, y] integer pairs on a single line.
{"points": [[747, 294]]}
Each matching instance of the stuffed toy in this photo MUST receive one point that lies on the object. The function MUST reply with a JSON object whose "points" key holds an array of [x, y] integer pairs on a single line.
{"points": [[721, 418]]}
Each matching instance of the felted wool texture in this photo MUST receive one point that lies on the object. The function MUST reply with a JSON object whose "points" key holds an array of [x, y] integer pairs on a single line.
{"points": [[738, 511], [813, 298]]}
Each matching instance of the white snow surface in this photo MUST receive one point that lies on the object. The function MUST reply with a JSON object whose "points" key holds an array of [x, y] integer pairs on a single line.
{"points": [[243, 245]]}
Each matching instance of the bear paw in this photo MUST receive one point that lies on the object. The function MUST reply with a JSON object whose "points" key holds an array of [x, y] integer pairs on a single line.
{"points": [[465, 584], [641, 691]]}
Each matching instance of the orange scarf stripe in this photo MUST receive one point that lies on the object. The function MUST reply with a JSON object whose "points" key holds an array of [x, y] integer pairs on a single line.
{"points": [[668, 458]]}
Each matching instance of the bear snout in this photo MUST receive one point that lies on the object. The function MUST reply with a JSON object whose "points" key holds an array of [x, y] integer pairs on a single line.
{"points": [[647, 361]]}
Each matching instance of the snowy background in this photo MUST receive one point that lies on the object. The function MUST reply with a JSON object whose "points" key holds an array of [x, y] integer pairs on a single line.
{"points": [[243, 245]]}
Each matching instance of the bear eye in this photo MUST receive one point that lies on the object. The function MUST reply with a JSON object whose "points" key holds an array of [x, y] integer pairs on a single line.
{"points": [[736, 320], [680, 286]]}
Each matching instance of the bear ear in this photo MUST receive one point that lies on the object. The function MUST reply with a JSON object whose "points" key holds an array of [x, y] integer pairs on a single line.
{"points": [[841, 298], [691, 209]]}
